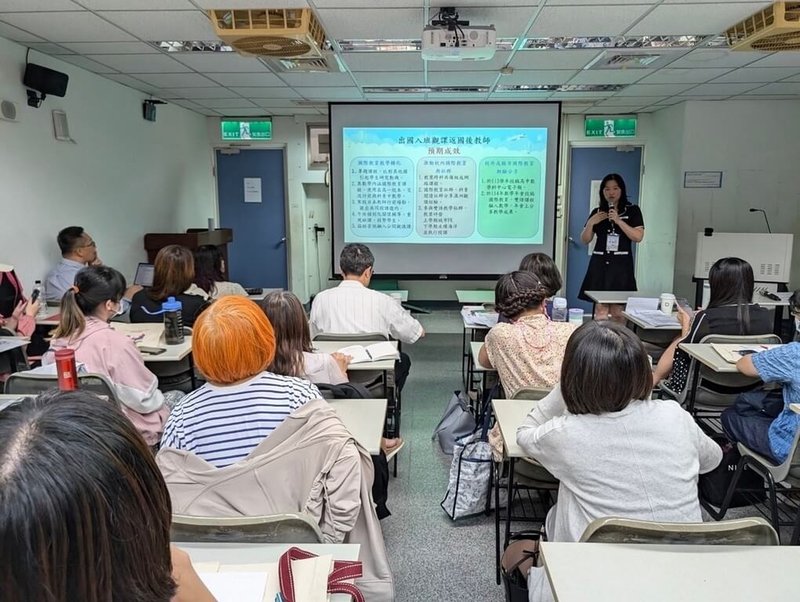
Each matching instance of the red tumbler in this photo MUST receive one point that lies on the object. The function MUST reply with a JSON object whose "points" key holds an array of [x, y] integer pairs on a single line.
{"points": [[66, 369]]}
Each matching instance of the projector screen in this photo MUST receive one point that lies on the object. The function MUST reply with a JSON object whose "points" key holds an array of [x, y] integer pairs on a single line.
{"points": [[441, 190]]}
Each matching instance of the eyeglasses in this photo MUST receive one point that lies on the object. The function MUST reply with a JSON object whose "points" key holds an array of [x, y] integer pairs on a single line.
{"points": [[89, 244]]}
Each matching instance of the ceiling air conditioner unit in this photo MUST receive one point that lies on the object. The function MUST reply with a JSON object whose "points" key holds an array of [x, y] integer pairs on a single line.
{"points": [[274, 32], [775, 28]]}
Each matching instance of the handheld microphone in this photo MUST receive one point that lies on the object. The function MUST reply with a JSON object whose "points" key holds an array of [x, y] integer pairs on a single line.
{"points": [[764, 212]]}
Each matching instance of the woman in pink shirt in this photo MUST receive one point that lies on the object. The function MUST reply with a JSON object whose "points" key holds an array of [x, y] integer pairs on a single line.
{"points": [[86, 309]]}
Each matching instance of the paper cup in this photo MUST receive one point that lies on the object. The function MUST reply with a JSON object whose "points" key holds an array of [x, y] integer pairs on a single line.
{"points": [[667, 303]]}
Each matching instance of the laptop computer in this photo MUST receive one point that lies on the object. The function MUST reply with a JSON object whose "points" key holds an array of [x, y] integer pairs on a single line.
{"points": [[144, 274]]}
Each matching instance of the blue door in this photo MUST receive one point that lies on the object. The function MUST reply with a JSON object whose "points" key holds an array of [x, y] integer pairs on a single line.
{"points": [[252, 202], [587, 164]]}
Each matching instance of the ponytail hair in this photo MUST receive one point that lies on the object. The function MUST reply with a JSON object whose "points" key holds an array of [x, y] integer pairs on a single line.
{"points": [[94, 285], [517, 291]]}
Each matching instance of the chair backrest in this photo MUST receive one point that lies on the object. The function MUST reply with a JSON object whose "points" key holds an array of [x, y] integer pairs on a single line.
{"points": [[790, 467], [534, 393], [739, 532], [276, 528], [25, 383], [359, 336]]}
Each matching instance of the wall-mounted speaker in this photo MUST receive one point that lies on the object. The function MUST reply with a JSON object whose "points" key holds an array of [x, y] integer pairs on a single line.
{"points": [[42, 81], [8, 110]]}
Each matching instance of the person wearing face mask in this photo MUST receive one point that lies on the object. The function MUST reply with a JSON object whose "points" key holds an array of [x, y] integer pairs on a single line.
{"points": [[617, 224], [86, 309]]}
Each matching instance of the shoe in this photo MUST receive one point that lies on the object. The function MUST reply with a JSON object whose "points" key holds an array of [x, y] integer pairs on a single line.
{"points": [[391, 452]]}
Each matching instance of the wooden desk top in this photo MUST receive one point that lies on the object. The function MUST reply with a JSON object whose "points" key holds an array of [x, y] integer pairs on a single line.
{"points": [[596, 572], [510, 414], [365, 419]]}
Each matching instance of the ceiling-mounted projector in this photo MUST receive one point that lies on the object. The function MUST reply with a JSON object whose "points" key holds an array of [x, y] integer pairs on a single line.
{"points": [[448, 39]]}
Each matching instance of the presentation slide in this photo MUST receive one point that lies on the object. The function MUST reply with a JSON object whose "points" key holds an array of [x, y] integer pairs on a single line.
{"points": [[444, 190], [444, 185]]}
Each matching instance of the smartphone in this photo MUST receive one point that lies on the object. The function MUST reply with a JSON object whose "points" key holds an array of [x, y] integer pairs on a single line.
{"points": [[34, 295], [744, 352], [152, 350], [683, 303]]}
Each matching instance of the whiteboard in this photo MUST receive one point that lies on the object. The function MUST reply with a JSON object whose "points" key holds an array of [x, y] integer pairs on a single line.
{"points": [[770, 255]]}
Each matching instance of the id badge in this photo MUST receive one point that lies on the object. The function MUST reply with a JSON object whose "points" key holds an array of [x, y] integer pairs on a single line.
{"points": [[612, 242]]}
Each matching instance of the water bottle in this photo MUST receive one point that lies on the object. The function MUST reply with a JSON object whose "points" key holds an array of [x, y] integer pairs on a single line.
{"points": [[173, 321], [559, 309], [66, 370]]}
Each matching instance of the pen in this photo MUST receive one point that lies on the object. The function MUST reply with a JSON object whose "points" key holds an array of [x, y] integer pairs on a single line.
{"points": [[279, 597]]}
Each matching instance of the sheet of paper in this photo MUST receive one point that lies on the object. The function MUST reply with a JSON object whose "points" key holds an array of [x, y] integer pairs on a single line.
{"points": [[655, 318], [310, 577], [9, 343], [236, 586], [645, 303], [144, 335], [252, 190], [357, 353], [383, 350]]}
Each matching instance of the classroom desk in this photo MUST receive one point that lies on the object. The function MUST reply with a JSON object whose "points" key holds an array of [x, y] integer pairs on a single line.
{"points": [[596, 572], [616, 297], [475, 297], [49, 318], [466, 356], [173, 353], [642, 325], [704, 353], [776, 305], [364, 418], [476, 366], [399, 294], [385, 367], [510, 413], [256, 553]]}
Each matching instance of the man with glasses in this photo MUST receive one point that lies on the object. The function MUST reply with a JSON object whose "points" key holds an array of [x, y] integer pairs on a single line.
{"points": [[78, 250]]}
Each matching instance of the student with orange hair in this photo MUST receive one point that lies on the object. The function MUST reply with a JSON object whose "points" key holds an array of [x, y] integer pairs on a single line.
{"points": [[242, 403]]}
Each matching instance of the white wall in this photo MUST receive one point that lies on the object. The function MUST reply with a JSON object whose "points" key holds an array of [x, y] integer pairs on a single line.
{"points": [[756, 144], [124, 177]]}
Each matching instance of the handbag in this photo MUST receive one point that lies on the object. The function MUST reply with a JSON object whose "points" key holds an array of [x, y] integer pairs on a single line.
{"points": [[515, 582], [338, 581], [470, 482], [457, 422], [714, 485]]}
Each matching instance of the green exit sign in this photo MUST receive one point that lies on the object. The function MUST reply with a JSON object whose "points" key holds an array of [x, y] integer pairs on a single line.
{"points": [[610, 128], [249, 129]]}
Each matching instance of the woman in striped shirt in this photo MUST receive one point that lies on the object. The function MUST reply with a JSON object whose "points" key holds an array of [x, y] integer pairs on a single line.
{"points": [[242, 403]]}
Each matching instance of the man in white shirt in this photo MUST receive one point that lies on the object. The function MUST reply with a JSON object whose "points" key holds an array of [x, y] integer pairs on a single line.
{"points": [[352, 308]]}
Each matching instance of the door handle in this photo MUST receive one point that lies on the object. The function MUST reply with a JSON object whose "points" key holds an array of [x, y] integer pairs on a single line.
{"points": [[572, 240], [282, 241]]}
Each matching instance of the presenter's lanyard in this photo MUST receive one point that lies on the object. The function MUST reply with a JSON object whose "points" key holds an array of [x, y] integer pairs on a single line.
{"points": [[612, 240]]}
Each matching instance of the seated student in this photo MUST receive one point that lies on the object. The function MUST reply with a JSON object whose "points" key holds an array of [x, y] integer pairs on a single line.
{"points": [[528, 351], [352, 308], [17, 314], [77, 251], [242, 403], [208, 269], [294, 355], [86, 309], [173, 274], [543, 266], [794, 311], [615, 451], [84, 511], [730, 311], [767, 428]]}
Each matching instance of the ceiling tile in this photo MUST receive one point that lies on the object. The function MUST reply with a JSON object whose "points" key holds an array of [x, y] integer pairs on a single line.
{"points": [[140, 63], [763, 3], [192, 93], [245, 79], [394, 97], [613, 110], [17, 35], [629, 101], [682, 19], [521, 95], [317, 79], [293, 111], [31, 6], [138, 4], [131, 82], [390, 78], [67, 27], [654, 89], [752, 96], [683, 76], [223, 103], [86, 63], [186, 104], [332, 93], [175, 80], [226, 62], [757, 75], [778, 59], [373, 23], [779, 88], [270, 103], [528, 77], [266, 92], [586, 20], [49, 48], [242, 112], [110, 47], [253, 3], [716, 57], [575, 3], [462, 78], [163, 24], [383, 61], [579, 95], [715, 89], [553, 59], [609, 76], [493, 64]]}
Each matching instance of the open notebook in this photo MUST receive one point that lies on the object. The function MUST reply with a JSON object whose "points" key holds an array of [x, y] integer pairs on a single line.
{"points": [[732, 352], [373, 353]]}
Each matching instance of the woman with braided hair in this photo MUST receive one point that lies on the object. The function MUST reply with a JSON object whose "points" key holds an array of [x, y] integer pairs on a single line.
{"points": [[526, 352]]}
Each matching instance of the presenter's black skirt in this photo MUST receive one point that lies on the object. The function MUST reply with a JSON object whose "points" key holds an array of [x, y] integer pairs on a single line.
{"points": [[608, 273]]}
